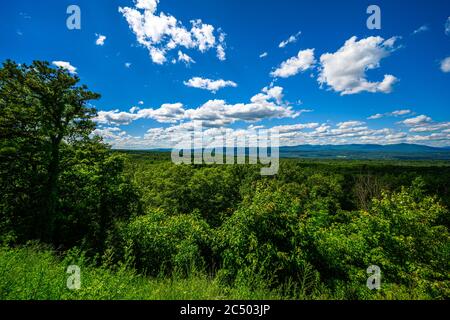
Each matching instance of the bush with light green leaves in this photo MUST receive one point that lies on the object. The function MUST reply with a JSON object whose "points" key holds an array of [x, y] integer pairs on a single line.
{"points": [[403, 234], [162, 243], [262, 240]]}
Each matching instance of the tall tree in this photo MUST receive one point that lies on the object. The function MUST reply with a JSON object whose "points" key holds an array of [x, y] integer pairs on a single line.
{"points": [[47, 106]]}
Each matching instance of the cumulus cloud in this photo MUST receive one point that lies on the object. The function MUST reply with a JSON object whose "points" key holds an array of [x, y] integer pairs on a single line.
{"points": [[428, 127], [445, 65], [416, 120], [167, 113], [295, 127], [376, 116], [303, 61], [221, 55], [425, 123], [263, 55], [127, 64], [345, 70], [65, 65], [115, 117], [183, 57], [396, 113], [423, 28], [447, 26], [291, 39], [100, 39], [161, 33], [294, 134], [208, 84], [134, 109], [267, 104], [350, 124], [109, 133]]}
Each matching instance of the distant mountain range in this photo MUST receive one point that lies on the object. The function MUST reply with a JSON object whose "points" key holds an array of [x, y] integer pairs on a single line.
{"points": [[367, 151], [403, 147], [401, 151]]}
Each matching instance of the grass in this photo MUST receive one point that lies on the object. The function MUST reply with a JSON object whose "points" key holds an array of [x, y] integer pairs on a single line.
{"points": [[36, 273], [32, 273]]}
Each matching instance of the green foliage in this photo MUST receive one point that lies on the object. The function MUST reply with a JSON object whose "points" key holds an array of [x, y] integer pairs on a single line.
{"points": [[34, 273], [401, 234], [309, 232], [164, 244], [214, 191], [59, 184], [262, 238]]}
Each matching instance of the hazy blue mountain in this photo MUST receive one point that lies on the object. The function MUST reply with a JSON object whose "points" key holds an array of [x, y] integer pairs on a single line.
{"points": [[401, 151], [403, 147]]}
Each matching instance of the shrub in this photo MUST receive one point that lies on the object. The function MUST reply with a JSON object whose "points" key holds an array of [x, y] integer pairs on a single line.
{"points": [[401, 235], [163, 243], [262, 241]]}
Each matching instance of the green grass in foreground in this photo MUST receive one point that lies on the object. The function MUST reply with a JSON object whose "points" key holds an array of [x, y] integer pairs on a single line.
{"points": [[32, 274]]}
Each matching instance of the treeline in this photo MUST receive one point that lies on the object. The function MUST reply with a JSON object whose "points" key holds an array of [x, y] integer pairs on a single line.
{"points": [[309, 232], [315, 227]]}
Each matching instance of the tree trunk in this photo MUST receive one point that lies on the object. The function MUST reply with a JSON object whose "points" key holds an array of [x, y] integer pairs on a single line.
{"points": [[47, 223]]}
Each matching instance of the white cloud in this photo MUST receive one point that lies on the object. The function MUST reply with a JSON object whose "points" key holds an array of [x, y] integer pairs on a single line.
{"points": [[416, 120], [445, 65], [396, 113], [293, 134], [100, 39], [141, 102], [291, 39], [208, 84], [403, 112], [221, 55], [447, 26], [263, 55], [149, 5], [134, 109], [109, 133], [296, 127], [127, 64], [267, 104], [115, 117], [303, 61], [167, 113], [185, 58], [65, 65], [423, 28], [345, 70], [428, 127], [376, 116], [204, 33], [161, 33], [350, 124]]}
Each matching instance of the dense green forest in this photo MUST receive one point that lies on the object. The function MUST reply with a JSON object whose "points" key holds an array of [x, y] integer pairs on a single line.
{"points": [[140, 227]]}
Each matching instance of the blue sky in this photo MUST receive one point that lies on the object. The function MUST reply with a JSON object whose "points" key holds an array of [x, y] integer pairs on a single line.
{"points": [[335, 81]]}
